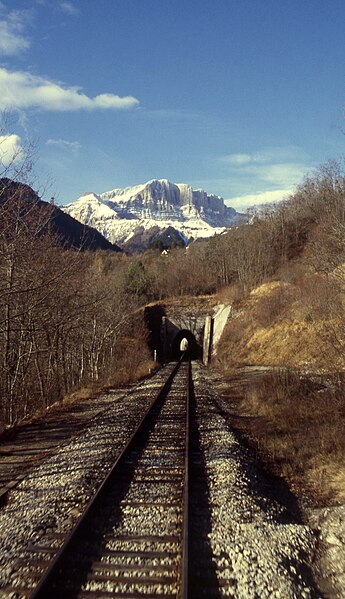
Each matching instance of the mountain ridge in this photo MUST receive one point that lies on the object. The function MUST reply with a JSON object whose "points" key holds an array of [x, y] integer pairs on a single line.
{"points": [[68, 231], [124, 213]]}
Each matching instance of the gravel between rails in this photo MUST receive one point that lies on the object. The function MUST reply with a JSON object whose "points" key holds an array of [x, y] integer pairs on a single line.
{"points": [[55, 493], [258, 553]]}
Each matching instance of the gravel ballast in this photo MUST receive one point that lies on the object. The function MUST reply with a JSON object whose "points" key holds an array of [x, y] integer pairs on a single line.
{"points": [[258, 550]]}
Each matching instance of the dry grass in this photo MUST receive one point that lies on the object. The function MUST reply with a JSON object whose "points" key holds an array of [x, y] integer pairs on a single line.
{"points": [[79, 394], [298, 324], [297, 427], [125, 374]]}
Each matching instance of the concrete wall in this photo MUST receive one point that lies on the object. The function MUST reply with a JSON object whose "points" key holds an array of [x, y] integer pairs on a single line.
{"points": [[220, 318]]}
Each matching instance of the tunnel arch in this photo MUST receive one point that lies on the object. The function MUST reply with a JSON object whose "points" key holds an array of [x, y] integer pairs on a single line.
{"points": [[195, 351]]}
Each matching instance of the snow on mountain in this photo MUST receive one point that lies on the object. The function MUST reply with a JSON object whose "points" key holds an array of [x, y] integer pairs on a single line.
{"points": [[124, 214]]}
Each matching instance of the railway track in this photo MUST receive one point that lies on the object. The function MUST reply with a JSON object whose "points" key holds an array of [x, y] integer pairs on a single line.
{"points": [[132, 540], [183, 513]]}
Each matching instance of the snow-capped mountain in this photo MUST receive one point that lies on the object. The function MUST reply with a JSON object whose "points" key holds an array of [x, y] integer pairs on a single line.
{"points": [[137, 215]]}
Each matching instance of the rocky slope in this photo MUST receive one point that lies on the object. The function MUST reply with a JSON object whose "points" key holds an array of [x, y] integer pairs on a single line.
{"points": [[139, 215]]}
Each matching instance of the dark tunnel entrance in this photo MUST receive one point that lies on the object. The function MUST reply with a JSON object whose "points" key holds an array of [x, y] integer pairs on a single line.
{"points": [[194, 349]]}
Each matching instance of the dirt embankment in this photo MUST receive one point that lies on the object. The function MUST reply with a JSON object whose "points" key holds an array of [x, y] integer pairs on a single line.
{"points": [[286, 324]]}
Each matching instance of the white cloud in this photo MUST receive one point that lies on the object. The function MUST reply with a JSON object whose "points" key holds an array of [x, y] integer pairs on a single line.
{"points": [[288, 173], [237, 159], [264, 176], [12, 37], [271, 155], [20, 90], [257, 158], [64, 144], [259, 198], [69, 8], [11, 150]]}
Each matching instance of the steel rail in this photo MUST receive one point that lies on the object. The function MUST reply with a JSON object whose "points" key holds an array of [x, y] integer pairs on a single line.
{"points": [[185, 535], [42, 589]]}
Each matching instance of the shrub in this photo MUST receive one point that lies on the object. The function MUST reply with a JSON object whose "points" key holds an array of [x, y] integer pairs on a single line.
{"points": [[232, 294]]}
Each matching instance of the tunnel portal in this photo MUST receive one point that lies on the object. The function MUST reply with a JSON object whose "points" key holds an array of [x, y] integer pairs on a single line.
{"points": [[166, 331], [194, 350]]}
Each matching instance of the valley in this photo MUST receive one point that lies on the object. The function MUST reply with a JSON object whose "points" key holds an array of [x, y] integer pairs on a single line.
{"points": [[261, 303]]}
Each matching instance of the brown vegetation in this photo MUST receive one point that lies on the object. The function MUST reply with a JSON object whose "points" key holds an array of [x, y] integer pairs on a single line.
{"points": [[296, 425], [65, 322]]}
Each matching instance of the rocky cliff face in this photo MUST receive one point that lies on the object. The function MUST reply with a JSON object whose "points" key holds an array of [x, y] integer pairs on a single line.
{"points": [[121, 213], [161, 198]]}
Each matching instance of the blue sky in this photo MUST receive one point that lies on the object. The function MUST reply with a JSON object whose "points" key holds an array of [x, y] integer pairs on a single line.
{"points": [[239, 97]]}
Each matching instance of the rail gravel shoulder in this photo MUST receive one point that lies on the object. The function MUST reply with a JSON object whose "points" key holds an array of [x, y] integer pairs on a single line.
{"points": [[258, 549]]}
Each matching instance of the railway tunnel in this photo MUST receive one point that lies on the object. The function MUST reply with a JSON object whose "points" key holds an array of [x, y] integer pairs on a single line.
{"points": [[169, 327]]}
